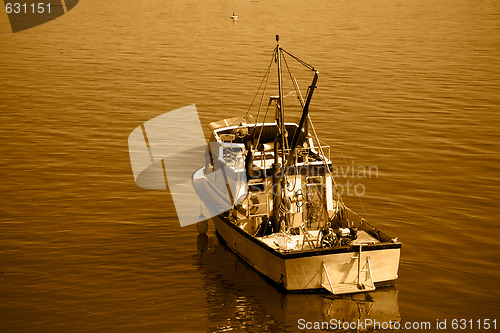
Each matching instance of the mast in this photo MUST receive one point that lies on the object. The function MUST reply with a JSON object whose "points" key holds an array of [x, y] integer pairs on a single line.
{"points": [[303, 119], [277, 175], [281, 111], [279, 170]]}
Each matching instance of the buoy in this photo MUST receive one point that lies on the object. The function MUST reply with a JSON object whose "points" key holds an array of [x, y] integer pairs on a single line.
{"points": [[202, 242], [202, 227], [250, 206]]}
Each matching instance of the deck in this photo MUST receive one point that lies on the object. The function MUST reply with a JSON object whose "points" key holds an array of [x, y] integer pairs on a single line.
{"points": [[302, 244]]}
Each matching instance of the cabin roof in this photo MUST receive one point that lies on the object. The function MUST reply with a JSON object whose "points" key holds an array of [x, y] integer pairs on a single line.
{"points": [[267, 133], [229, 122]]}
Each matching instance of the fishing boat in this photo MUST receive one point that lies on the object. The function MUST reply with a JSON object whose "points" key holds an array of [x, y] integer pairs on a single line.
{"points": [[287, 218]]}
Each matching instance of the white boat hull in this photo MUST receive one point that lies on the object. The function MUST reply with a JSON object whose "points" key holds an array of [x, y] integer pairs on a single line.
{"points": [[304, 270]]}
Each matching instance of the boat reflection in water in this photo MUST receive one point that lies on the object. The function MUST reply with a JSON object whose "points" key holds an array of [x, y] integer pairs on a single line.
{"points": [[239, 297]]}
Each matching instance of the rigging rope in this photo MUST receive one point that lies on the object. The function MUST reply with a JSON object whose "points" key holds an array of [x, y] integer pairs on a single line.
{"points": [[260, 106], [299, 60], [338, 144], [262, 127], [323, 157], [295, 85], [265, 75]]}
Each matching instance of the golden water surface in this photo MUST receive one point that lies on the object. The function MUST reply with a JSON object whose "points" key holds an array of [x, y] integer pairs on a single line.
{"points": [[410, 87]]}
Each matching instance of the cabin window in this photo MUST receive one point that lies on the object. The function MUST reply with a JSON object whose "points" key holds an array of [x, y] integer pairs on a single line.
{"points": [[231, 154]]}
